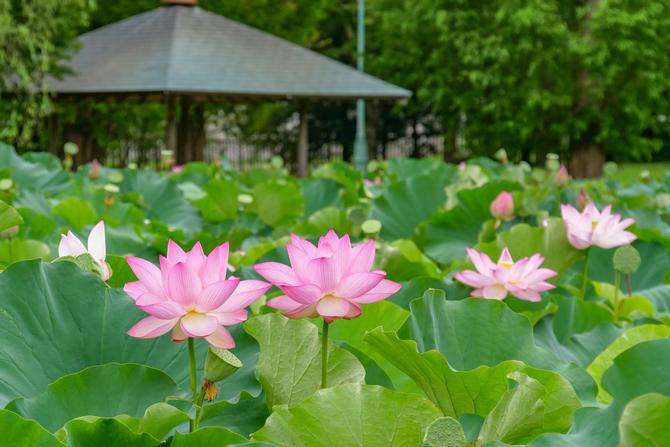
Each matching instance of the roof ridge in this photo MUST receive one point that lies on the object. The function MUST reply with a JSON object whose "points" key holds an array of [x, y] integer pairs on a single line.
{"points": [[171, 50], [301, 48]]}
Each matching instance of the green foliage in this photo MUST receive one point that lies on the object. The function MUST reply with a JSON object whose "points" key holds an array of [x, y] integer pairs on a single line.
{"points": [[207, 436], [278, 203], [643, 419], [628, 339], [345, 415], [35, 37], [9, 217], [20, 432], [85, 318], [428, 366], [533, 76], [82, 433], [290, 375], [97, 394]]}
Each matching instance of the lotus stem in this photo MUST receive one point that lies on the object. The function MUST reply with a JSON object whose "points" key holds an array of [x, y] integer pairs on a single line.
{"points": [[198, 407], [617, 284], [193, 423], [585, 274], [324, 355], [628, 285]]}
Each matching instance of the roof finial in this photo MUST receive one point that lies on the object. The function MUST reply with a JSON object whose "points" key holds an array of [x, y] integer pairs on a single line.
{"points": [[180, 2]]}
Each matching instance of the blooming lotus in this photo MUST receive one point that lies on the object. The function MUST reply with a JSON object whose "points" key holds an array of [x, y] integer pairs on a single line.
{"points": [[330, 280], [70, 245], [592, 227], [190, 295], [502, 207], [524, 279]]}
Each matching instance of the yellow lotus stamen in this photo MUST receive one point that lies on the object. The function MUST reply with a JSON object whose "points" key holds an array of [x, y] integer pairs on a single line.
{"points": [[210, 389]]}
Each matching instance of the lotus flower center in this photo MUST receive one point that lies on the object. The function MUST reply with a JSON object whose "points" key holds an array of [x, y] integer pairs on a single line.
{"points": [[594, 224], [505, 264], [329, 298]]}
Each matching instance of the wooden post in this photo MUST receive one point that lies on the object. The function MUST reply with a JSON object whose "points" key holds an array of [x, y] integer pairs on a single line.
{"points": [[171, 124], [303, 141]]}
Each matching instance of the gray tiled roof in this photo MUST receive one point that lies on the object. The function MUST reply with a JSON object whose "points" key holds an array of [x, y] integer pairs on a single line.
{"points": [[189, 50]]}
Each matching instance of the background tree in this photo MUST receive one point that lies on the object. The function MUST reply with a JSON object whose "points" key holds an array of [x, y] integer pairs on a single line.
{"points": [[587, 79], [35, 37]]}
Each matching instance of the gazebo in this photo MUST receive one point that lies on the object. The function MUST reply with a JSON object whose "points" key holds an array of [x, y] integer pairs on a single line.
{"points": [[185, 56]]}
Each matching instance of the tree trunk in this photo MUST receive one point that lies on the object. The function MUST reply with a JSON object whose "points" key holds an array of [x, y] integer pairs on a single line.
{"points": [[586, 161], [586, 157]]}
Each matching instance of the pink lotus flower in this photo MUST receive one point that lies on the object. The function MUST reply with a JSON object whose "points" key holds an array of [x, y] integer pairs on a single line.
{"points": [[523, 279], [190, 295], [70, 245], [95, 170], [330, 280], [176, 169], [461, 166], [502, 207], [562, 177], [592, 227]]}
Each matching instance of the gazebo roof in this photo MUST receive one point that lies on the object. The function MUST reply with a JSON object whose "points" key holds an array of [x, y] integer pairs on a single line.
{"points": [[190, 51]]}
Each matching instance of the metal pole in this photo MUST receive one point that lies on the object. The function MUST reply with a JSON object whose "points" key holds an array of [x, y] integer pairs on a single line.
{"points": [[361, 142]]}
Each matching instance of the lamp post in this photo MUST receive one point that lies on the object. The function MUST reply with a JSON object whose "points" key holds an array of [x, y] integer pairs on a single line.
{"points": [[361, 142]]}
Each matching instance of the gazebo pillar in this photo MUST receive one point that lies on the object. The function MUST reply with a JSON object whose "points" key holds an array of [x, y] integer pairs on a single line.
{"points": [[171, 125], [303, 140]]}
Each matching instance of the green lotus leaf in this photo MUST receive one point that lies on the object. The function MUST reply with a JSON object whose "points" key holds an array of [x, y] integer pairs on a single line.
{"points": [[289, 366], [350, 414], [383, 314], [58, 320], [207, 436], [32, 173], [19, 432], [220, 203], [399, 208], [644, 422], [278, 203], [104, 390], [550, 240], [99, 432], [162, 200], [629, 338], [77, 212], [320, 194], [479, 391], [16, 249], [9, 217], [639, 370], [244, 416], [447, 233], [474, 332]]}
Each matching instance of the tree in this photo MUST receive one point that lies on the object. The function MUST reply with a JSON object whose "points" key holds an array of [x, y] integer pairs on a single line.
{"points": [[583, 78], [35, 38]]}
